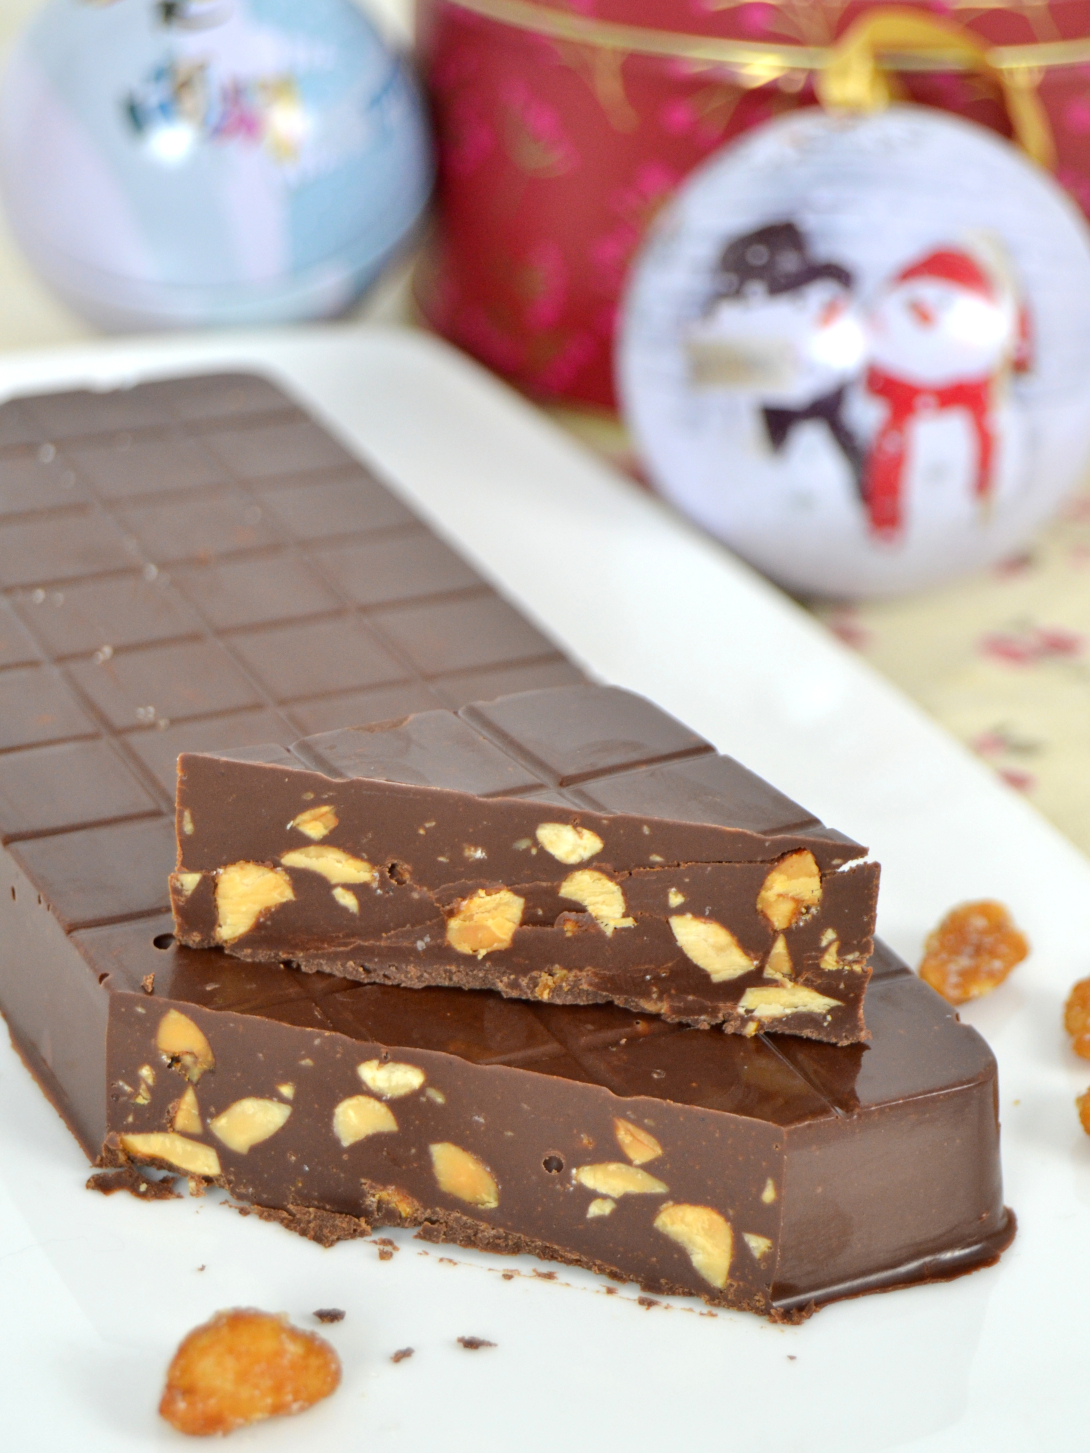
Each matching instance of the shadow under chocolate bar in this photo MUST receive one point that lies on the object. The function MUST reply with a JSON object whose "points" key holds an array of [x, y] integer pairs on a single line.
{"points": [[194, 564], [574, 845]]}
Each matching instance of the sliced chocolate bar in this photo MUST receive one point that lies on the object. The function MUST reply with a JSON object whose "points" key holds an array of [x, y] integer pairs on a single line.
{"points": [[573, 845], [768, 1175], [792, 1173]]}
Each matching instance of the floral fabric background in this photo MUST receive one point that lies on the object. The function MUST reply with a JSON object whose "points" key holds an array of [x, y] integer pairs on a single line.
{"points": [[1003, 661]]}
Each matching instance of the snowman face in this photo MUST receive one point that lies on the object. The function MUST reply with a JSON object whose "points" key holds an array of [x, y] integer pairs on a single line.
{"points": [[933, 332], [787, 348], [194, 14]]}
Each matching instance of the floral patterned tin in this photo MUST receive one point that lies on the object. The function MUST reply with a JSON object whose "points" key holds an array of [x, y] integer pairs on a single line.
{"points": [[564, 126]]}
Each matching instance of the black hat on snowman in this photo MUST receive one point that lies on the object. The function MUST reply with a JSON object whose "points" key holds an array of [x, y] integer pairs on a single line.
{"points": [[772, 260]]}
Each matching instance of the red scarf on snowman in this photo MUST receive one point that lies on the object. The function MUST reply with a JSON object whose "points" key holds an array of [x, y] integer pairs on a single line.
{"points": [[885, 470]]}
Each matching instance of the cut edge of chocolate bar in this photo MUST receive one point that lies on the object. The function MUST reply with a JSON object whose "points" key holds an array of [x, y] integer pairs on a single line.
{"points": [[457, 848]]}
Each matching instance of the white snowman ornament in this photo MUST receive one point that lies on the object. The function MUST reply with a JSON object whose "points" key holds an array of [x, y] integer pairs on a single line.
{"points": [[858, 349]]}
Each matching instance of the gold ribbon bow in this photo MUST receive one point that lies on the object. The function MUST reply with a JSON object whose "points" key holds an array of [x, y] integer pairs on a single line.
{"points": [[855, 78]]}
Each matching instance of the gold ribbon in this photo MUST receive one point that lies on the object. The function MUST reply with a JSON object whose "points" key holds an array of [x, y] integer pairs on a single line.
{"points": [[855, 79], [906, 40]]}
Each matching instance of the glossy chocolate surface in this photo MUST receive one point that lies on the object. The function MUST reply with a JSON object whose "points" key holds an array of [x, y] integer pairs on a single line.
{"points": [[882, 1158], [185, 565], [492, 804], [837, 1170]]}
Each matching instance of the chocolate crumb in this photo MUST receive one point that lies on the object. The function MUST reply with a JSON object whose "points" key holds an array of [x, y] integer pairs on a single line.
{"points": [[401, 1356], [509, 1275], [545, 1275], [137, 1183], [648, 1302], [200, 1268], [791, 1357], [147, 983], [385, 1253], [447, 1261], [329, 1314], [473, 1344]]}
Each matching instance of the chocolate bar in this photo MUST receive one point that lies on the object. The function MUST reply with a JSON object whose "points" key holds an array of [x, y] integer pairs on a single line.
{"points": [[771, 1175], [573, 845], [177, 568]]}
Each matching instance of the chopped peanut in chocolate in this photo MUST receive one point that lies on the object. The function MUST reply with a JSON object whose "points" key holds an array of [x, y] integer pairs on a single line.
{"points": [[244, 1366], [1077, 1018], [972, 951]]}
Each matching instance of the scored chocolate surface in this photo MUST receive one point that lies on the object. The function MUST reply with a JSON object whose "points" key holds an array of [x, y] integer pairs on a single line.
{"points": [[194, 564], [478, 849]]}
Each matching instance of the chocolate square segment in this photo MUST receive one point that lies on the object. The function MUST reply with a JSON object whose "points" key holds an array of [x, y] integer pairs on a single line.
{"points": [[379, 703], [121, 610], [200, 528], [256, 590], [408, 566], [468, 686], [573, 733], [37, 705], [157, 464], [61, 548], [301, 660], [16, 427], [463, 635], [39, 481], [17, 646], [101, 874], [159, 748], [220, 396], [276, 448], [43, 789], [434, 749], [330, 509], [165, 683], [86, 411], [704, 789]]}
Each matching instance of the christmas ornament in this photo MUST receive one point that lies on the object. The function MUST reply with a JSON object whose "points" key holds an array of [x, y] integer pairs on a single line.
{"points": [[857, 348], [209, 161], [563, 127]]}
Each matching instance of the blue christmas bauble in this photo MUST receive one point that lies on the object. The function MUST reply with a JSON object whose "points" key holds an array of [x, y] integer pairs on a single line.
{"points": [[195, 162]]}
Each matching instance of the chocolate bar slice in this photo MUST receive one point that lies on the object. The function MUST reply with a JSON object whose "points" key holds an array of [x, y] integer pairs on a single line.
{"points": [[768, 1175], [572, 845]]}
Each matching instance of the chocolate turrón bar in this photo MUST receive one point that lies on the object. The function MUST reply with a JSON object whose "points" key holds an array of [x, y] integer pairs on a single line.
{"points": [[168, 555], [768, 1174], [575, 845]]}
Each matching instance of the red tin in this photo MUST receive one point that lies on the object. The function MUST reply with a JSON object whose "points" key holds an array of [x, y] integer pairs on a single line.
{"points": [[560, 137]]}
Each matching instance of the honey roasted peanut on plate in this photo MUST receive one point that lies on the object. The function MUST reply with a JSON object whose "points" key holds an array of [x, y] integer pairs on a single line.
{"points": [[244, 1366]]}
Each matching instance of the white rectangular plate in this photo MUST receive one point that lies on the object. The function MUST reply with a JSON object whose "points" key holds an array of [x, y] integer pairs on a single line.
{"points": [[95, 1293]]}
